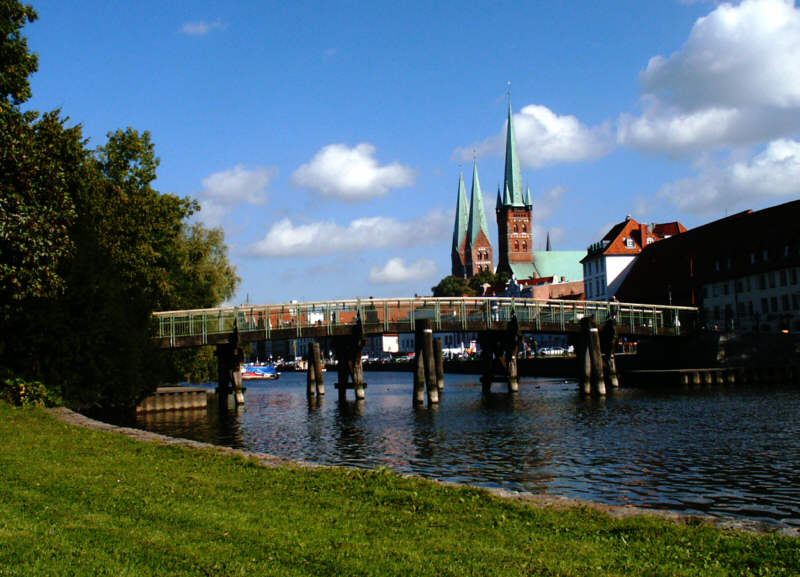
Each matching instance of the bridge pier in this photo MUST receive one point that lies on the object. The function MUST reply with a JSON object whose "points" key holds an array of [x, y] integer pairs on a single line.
{"points": [[315, 383], [229, 374], [426, 365], [349, 367], [500, 349], [609, 347], [439, 357]]}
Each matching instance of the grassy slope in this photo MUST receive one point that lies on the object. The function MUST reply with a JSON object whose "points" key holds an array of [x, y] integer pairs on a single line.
{"points": [[81, 502]]}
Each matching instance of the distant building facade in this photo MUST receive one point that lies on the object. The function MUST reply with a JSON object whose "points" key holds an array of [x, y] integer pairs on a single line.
{"points": [[742, 270], [609, 260]]}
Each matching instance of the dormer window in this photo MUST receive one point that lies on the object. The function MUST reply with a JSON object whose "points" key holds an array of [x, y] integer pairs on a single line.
{"points": [[650, 240], [629, 243]]}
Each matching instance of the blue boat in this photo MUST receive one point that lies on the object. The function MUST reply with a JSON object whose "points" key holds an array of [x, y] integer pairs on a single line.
{"points": [[258, 372]]}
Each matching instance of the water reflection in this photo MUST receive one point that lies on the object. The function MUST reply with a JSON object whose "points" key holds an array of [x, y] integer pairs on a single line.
{"points": [[724, 451]]}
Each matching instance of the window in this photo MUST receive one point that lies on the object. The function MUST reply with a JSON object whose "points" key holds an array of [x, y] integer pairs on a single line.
{"points": [[515, 227], [783, 278], [740, 309], [785, 302], [516, 246], [524, 227], [524, 245], [750, 308], [762, 282], [730, 263], [773, 301], [764, 306], [765, 254], [716, 265], [738, 285], [629, 243], [716, 289], [772, 279], [650, 240], [725, 288], [752, 258]]}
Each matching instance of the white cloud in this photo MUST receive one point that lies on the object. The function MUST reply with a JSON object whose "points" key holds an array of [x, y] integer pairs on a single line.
{"points": [[735, 81], [395, 271], [736, 56], [286, 239], [238, 184], [773, 173], [544, 138], [211, 213], [351, 174], [200, 28]]}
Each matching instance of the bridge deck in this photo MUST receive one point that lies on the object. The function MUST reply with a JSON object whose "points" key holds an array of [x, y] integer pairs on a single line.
{"points": [[199, 327]]}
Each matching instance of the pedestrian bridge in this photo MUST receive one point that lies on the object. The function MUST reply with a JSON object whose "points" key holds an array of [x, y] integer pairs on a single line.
{"points": [[216, 326]]}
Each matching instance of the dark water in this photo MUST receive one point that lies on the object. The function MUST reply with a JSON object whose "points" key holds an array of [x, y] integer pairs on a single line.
{"points": [[726, 452]]}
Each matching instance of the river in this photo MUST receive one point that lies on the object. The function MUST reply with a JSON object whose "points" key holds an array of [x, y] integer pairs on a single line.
{"points": [[728, 452]]}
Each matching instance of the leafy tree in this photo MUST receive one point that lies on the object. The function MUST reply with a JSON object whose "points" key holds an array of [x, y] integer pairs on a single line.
{"points": [[16, 62], [452, 286], [487, 277], [88, 249]]}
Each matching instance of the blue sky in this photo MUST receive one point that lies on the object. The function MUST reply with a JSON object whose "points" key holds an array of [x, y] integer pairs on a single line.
{"points": [[327, 138]]}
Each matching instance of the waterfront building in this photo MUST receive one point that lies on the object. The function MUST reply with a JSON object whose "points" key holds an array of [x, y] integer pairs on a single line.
{"points": [[742, 270], [608, 261]]}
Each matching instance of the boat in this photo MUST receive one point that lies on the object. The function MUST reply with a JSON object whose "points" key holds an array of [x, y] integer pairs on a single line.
{"points": [[258, 372]]}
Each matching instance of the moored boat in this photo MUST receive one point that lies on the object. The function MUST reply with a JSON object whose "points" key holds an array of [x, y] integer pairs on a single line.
{"points": [[258, 372]]}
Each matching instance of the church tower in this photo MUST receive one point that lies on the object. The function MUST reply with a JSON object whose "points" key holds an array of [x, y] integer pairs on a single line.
{"points": [[458, 254], [479, 252], [514, 215]]}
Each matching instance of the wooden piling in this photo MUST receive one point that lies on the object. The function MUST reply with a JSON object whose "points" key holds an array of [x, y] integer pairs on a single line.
{"points": [[429, 362], [488, 346], [319, 378], [511, 367], [591, 335], [439, 357], [419, 364], [609, 346], [311, 376]]}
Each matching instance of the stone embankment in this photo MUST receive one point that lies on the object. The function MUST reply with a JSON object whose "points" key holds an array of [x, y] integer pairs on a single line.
{"points": [[537, 500]]}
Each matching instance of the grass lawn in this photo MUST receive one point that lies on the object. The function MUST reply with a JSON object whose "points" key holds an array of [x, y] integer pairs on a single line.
{"points": [[75, 501]]}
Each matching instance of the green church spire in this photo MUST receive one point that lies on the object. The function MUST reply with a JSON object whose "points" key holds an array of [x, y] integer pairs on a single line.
{"points": [[513, 176], [477, 216], [528, 197], [462, 216]]}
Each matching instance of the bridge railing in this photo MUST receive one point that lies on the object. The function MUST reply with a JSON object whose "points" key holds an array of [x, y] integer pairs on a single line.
{"points": [[401, 315]]}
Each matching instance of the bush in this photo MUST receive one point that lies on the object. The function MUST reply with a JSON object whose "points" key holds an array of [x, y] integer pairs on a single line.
{"points": [[27, 394]]}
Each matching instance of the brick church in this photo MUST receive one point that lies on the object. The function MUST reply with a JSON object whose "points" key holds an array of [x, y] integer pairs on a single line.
{"points": [[472, 251]]}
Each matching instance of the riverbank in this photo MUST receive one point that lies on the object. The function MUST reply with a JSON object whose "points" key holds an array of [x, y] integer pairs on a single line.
{"points": [[75, 501]]}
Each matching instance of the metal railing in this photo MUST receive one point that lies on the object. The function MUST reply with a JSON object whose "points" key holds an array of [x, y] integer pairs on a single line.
{"points": [[400, 315]]}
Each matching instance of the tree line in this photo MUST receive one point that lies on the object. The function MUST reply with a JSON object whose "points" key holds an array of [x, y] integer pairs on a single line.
{"points": [[89, 249]]}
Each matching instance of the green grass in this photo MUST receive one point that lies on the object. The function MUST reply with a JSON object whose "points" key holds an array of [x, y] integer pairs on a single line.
{"points": [[82, 502]]}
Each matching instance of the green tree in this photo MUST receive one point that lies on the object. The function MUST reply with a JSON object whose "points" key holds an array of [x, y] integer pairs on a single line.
{"points": [[89, 249], [452, 286], [487, 277], [16, 62]]}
